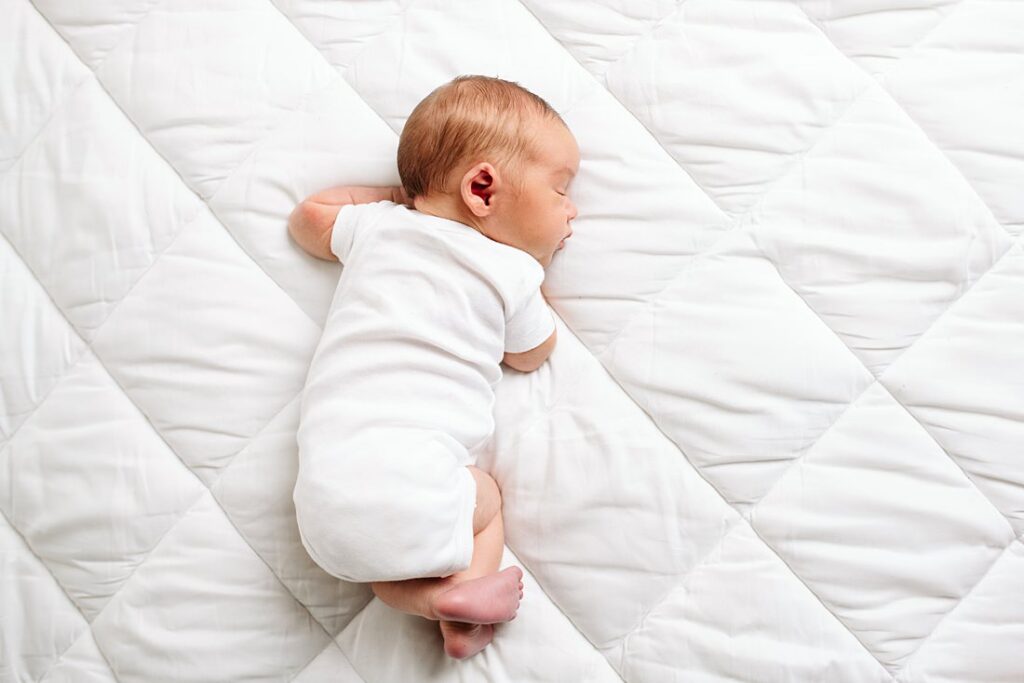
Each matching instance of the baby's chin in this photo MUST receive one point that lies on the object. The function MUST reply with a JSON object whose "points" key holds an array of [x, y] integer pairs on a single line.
{"points": [[551, 257]]}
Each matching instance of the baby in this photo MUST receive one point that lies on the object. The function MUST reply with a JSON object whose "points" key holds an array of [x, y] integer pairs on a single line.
{"points": [[441, 283]]}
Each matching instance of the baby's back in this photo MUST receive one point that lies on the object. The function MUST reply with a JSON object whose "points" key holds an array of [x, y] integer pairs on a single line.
{"points": [[417, 327]]}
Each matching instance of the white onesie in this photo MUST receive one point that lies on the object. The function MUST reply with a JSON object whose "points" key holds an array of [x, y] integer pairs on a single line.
{"points": [[400, 391]]}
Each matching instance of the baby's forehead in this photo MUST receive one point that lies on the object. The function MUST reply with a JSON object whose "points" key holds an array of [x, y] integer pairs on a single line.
{"points": [[557, 150], [564, 161], [562, 169]]}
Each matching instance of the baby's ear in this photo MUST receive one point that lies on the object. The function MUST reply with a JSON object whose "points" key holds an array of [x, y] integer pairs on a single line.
{"points": [[477, 188]]}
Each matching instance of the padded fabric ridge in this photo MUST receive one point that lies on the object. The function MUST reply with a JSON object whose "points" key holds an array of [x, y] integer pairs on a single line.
{"points": [[959, 602], [182, 516], [46, 124], [169, 165], [895, 101], [878, 379], [87, 629], [85, 349], [739, 220], [148, 421], [926, 431], [819, 453]]}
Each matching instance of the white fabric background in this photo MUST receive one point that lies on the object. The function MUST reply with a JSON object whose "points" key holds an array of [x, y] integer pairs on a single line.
{"points": [[779, 439]]}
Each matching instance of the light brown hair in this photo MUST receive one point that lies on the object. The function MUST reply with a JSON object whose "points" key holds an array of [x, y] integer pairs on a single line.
{"points": [[470, 118]]}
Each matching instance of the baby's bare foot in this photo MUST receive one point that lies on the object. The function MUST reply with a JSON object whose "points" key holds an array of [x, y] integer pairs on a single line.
{"points": [[487, 600], [463, 640]]}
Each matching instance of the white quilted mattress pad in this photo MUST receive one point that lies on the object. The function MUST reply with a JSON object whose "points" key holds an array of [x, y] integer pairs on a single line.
{"points": [[780, 438]]}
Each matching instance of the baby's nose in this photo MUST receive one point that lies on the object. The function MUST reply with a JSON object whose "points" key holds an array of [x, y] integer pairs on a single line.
{"points": [[572, 210]]}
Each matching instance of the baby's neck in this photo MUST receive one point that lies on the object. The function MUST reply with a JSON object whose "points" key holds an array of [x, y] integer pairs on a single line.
{"points": [[444, 206], [452, 208]]}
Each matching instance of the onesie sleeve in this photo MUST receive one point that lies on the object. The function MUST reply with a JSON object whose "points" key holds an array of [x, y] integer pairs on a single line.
{"points": [[530, 325], [351, 219]]}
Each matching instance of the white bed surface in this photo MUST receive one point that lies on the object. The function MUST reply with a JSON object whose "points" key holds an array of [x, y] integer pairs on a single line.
{"points": [[779, 440]]}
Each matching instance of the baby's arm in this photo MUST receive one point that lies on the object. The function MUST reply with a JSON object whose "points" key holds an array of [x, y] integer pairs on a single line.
{"points": [[312, 220], [528, 361]]}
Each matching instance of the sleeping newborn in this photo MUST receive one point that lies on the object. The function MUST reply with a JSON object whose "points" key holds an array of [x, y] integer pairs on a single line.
{"points": [[441, 283]]}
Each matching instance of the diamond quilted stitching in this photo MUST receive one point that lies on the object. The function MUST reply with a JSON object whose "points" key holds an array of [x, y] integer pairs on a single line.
{"points": [[922, 237], [356, 633], [255, 491], [742, 616], [882, 526], [975, 639], [735, 90], [502, 41], [621, 258], [334, 139], [964, 381], [95, 28], [31, 94], [277, 30], [877, 34], [91, 487], [329, 665], [81, 663], [740, 406], [964, 86], [232, 72], [540, 644], [600, 33], [204, 578], [37, 621], [33, 362], [127, 207], [341, 30], [247, 261], [208, 347], [588, 464]]}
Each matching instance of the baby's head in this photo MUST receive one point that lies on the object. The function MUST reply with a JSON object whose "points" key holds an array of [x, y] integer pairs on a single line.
{"points": [[491, 154]]}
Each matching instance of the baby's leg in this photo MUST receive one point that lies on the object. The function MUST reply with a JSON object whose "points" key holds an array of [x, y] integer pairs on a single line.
{"points": [[482, 595], [421, 596], [488, 528], [466, 602]]}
